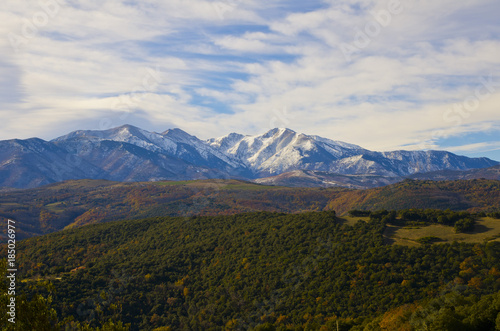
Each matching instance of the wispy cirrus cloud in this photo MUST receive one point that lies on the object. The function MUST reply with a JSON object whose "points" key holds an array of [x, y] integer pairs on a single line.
{"points": [[481, 147]]}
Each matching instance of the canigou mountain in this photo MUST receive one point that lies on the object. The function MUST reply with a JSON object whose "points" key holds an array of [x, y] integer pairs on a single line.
{"points": [[128, 153]]}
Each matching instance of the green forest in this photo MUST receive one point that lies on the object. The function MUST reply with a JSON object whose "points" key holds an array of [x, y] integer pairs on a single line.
{"points": [[260, 271]]}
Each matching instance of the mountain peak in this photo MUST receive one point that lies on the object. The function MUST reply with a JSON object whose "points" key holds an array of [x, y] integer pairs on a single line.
{"points": [[130, 129], [179, 135], [226, 141], [174, 131], [278, 132], [126, 126]]}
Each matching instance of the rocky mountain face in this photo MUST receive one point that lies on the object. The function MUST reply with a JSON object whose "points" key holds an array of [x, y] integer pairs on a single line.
{"points": [[128, 153]]}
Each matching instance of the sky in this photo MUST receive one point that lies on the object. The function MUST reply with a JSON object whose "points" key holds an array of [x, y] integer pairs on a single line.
{"points": [[385, 75]]}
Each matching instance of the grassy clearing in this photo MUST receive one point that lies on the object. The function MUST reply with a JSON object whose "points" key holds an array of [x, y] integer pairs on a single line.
{"points": [[10, 204], [81, 184], [486, 228], [56, 207]]}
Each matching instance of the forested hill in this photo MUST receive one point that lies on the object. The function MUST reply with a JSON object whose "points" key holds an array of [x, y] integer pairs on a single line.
{"points": [[268, 271], [75, 203]]}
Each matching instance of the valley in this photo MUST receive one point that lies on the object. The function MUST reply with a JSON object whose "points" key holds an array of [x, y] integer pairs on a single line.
{"points": [[77, 203]]}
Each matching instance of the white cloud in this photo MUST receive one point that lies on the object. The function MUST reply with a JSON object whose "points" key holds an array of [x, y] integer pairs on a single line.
{"points": [[482, 147], [258, 58]]}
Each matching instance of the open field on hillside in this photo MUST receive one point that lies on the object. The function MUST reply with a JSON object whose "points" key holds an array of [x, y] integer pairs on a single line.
{"points": [[486, 229]]}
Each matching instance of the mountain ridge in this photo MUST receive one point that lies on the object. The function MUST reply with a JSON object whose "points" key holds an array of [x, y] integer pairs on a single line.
{"points": [[129, 153]]}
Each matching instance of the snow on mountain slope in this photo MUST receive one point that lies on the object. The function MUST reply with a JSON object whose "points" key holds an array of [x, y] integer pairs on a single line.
{"points": [[282, 150], [127, 133], [129, 153], [225, 142], [336, 144], [174, 142], [206, 151]]}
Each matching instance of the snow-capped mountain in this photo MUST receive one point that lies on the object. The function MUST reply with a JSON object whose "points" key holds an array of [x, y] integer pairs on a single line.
{"points": [[128, 153], [282, 150], [174, 143]]}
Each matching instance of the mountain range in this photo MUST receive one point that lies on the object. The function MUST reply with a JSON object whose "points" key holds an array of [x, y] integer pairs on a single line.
{"points": [[128, 153]]}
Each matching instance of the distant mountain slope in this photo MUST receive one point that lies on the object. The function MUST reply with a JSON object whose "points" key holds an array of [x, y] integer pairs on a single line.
{"points": [[35, 162], [472, 195], [122, 161], [487, 173], [76, 203], [310, 178], [128, 153]]}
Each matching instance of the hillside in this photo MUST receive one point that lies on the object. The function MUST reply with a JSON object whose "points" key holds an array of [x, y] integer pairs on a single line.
{"points": [[486, 173], [472, 195], [75, 203], [273, 270], [309, 178]]}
